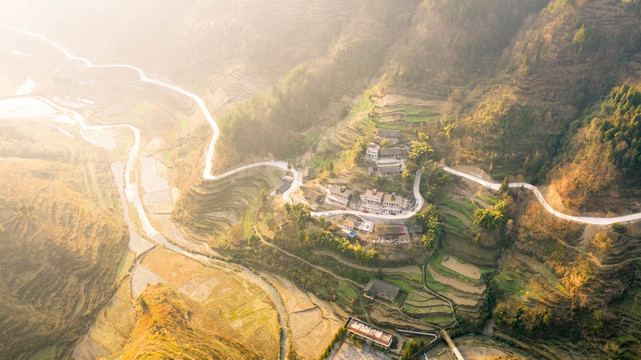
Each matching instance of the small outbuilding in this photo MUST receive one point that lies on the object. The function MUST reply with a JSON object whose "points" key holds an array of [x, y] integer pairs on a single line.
{"points": [[382, 289], [308, 174]]}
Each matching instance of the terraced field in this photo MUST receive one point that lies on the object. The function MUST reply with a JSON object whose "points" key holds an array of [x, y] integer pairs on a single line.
{"points": [[459, 230], [211, 208], [233, 314], [313, 322], [170, 325], [423, 305], [334, 139], [112, 328], [530, 280], [467, 293], [59, 253]]}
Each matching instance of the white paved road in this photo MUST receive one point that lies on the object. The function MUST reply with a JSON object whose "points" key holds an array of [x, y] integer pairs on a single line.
{"points": [[131, 189], [370, 216], [579, 219]]}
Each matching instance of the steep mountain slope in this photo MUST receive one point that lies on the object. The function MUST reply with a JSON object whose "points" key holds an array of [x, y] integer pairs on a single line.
{"points": [[58, 252], [554, 69], [189, 41], [170, 325], [273, 123], [541, 90]]}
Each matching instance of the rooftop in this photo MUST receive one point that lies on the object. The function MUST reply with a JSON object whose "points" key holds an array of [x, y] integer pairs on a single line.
{"points": [[385, 133], [308, 172], [383, 287], [393, 199], [384, 229], [374, 195], [284, 186], [393, 151], [341, 191], [366, 330]]}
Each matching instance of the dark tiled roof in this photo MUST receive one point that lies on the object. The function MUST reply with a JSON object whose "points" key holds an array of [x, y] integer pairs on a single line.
{"points": [[380, 286], [384, 133]]}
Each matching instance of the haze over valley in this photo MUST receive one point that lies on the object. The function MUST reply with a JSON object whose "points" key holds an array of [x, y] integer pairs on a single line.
{"points": [[370, 179]]}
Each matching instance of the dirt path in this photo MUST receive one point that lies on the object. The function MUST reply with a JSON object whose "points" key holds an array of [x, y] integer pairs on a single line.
{"points": [[312, 322], [404, 269]]}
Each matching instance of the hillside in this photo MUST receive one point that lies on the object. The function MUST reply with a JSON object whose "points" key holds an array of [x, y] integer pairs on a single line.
{"points": [[190, 41], [169, 325], [544, 92], [554, 68], [60, 244]]}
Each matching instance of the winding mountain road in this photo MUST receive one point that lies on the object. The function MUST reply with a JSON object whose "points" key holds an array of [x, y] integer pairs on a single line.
{"points": [[403, 216], [578, 219], [131, 189]]}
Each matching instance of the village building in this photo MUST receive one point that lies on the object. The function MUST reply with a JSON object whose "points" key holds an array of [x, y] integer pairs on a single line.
{"points": [[416, 229], [373, 197], [313, 198], [339, 195], [389, 170], [349, 224], [308, 174], [372, 201], [372, 208], [285, 184], [371, 153], [391, 234], [352, 224], [391, 135], [392, 203], [369, 332], [381, 289], [393, 153]]}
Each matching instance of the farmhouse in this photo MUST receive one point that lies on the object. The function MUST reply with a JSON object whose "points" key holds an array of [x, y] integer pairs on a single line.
{"points": [[351, 224], [339, 195], [384, 134], [369, 332], [308, 174], [382, 289], [392, 203], [312, 198], [284, 185], [392, 233], [389, 170], [371, 153], [373, 197], [396, 153]]}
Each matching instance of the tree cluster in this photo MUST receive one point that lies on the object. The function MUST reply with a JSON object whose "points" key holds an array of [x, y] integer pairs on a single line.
{"points": [[495, 217], [430, 219], [622, 129], [324, 238], [298, 213], [341, 332]]}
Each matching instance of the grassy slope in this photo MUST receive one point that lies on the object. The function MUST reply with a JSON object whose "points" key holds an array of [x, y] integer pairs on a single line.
{"points": [[59, 252], [169, 325]]}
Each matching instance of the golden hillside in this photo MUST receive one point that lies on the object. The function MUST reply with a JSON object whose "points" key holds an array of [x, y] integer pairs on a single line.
{"points": [[59, 251], [170, 326]]}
